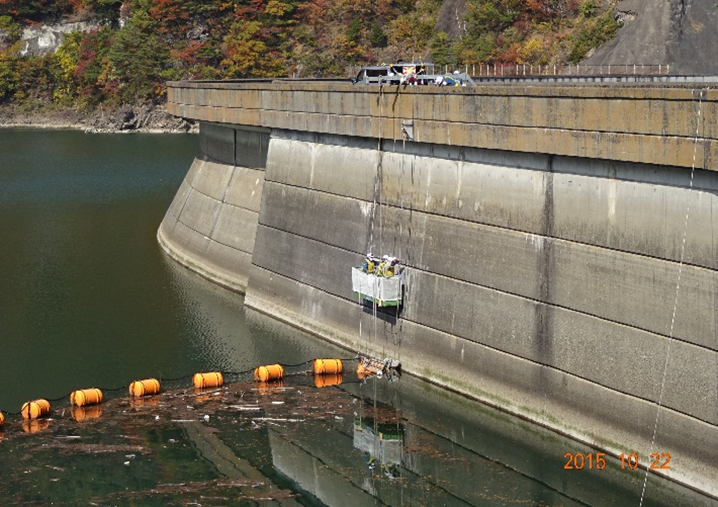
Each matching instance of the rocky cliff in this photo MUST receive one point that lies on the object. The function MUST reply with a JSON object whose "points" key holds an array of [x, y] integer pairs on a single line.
{"points": [[451, 18], [126, 118], [40, 40], [681, 33]]}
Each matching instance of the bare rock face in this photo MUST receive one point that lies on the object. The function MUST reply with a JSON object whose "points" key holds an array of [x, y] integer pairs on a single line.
{"points": [[41, 40], [124, 119], [451, 18], [681, 33], [136, 118]]}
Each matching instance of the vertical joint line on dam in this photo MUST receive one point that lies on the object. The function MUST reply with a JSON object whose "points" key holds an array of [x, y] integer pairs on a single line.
{"points": [[545, 268]]}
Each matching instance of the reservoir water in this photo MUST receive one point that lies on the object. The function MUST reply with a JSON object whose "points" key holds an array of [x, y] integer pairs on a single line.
{"points": [[87, 298]]}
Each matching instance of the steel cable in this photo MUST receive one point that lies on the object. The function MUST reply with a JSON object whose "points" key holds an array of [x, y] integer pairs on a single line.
{"points": [[659, 405]]}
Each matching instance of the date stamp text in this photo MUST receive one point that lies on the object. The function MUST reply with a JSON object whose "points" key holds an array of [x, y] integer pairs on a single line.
{"points": [[581, 461]]}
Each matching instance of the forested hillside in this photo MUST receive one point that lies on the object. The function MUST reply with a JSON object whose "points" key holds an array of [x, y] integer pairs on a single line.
{"points": [[138, 45]]}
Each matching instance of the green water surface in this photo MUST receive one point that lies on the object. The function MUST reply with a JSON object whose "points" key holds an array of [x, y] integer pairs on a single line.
{"points": [[87, 298]]}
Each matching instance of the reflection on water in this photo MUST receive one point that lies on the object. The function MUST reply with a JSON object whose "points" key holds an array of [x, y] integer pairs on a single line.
{"points": [[87, 298], [382, 444], [358, 442]]}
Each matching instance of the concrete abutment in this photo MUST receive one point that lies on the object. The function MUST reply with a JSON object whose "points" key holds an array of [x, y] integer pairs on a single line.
{"points": [[211, 224]]}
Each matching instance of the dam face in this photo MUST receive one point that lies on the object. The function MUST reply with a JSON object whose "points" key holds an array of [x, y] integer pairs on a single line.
{"points": [[212, 222], [561, 278]]}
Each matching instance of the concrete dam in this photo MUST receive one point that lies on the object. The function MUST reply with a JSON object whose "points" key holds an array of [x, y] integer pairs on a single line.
{"points": [[559, 242]]}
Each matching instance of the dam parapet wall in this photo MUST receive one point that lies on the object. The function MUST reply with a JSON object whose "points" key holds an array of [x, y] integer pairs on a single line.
{"points": [[559, 243], [640, 123]]}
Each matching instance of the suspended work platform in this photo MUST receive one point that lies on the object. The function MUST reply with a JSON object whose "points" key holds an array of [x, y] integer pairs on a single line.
{"points": [[379, 281]]}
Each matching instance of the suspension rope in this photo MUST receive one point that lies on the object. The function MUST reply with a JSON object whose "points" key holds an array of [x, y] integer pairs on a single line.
{"points": [[678, 286], [378, 184], [375, 208]]}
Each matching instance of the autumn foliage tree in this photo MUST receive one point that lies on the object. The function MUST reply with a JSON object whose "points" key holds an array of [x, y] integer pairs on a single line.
{"points": [[143, 43], [37, 10], [533, 31]]}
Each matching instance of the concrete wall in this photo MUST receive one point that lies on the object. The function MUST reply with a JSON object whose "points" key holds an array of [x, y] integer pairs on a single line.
{"points": [[561, 279], [211, 224], [519, 291]]}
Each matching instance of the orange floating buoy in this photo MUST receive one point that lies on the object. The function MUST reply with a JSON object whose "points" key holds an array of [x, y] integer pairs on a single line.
{"points": [[327, 366], [205, 380], [269, 372], [327, 380], [144, 387], [84, 397], [80, 413], [35, 409], [35, 425]]}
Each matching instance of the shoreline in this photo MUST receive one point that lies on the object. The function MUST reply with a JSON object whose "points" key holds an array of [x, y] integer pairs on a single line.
{"points": [[86, 130], [127, 119]]}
